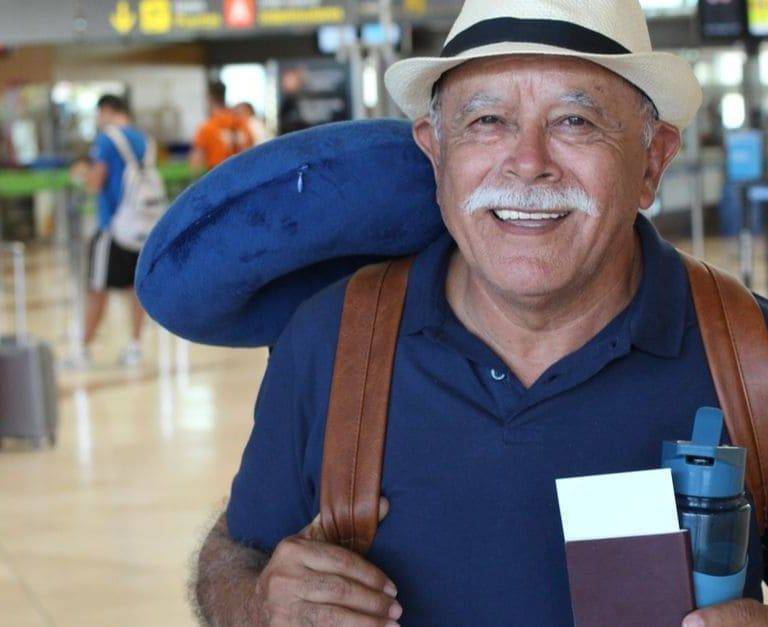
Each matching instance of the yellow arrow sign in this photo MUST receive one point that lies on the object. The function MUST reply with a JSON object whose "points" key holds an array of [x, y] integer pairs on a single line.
{"points": [[123, 19], [155, 16]]}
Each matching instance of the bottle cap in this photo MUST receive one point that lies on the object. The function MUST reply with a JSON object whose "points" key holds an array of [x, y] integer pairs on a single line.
{"points": [[701, 467]]}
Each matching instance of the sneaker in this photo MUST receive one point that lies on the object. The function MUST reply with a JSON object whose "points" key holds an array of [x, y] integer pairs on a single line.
{"points": [[130, 357], [80, 360]]}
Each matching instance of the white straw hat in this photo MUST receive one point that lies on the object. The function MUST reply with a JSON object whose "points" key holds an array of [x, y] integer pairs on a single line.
{"points": [[611, 33]]}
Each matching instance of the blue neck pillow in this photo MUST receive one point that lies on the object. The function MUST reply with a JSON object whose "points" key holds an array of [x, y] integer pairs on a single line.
{"points": [[241, 248]]}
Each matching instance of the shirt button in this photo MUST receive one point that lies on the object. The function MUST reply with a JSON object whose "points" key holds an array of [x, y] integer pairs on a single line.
{"points": [[498, 375]]}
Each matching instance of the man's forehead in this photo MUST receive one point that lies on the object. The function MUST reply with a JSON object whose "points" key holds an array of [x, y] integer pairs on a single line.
{"points": [[481, 99], [492, 75]]}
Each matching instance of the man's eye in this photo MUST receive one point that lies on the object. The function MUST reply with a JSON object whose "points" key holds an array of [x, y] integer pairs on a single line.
{"points": [[575, 121], [488, 120]]}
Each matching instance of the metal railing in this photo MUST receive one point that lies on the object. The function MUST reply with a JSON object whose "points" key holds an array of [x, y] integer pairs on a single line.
{"points": [[17, 252]]}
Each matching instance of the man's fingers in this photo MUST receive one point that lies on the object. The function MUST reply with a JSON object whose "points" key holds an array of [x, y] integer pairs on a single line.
{"points": [[383, 508], [744, 613], [320, 615], [322, 588], [334, 560], [314, 530], [319, 583]]}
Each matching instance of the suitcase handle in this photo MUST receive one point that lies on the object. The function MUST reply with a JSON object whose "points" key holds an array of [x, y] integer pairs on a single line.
{"points": [[17, 252]]}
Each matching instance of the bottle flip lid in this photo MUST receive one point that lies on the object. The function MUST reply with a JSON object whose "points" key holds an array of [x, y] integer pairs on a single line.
{"points": [[701, 467]]}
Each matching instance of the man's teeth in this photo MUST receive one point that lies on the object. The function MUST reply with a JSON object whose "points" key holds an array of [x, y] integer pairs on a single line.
{"points": [[505, 214]]}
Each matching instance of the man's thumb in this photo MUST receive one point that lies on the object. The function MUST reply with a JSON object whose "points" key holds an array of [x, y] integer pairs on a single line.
{"points": [[744, 612], [314, 530]]}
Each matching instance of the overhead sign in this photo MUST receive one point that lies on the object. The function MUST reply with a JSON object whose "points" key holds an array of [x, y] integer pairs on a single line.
{"points": [[299, 12], [426, 10], [155, 16], [66, 21], [240, 13], [161, 17], [166, 17], [722, 19], [123, 19], [197, 15]]}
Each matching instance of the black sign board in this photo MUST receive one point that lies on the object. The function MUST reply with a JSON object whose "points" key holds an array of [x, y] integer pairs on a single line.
{"points": [[722, 19], [312, 92], [104, 20]]}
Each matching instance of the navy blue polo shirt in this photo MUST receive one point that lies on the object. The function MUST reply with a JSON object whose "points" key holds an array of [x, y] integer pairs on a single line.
{"points": [[473, 536]]}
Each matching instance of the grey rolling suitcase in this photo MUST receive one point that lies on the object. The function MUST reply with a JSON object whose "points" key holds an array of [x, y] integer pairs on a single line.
{"points": [[28, 392]]}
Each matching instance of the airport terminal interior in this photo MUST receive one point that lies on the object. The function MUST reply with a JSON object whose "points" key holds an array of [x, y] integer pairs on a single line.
{"points": [[105, 499]]}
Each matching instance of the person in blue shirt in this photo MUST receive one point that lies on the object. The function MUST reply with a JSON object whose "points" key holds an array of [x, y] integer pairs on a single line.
{"points": [[112, 267], [551, 333]]}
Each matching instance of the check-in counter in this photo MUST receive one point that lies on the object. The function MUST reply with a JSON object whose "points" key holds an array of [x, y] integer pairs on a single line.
{"points": [[34, 203]]}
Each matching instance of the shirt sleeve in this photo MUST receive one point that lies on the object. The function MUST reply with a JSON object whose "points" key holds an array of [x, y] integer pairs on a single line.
{"points": [[102, 149], [270, 496]]}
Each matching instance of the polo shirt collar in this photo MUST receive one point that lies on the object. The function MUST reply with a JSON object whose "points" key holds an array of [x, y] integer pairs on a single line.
{"points": [[426, 305], [656, 317], [660, 317]]}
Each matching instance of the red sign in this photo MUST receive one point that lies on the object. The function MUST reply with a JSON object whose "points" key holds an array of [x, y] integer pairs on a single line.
{"points": [[240, 13]]}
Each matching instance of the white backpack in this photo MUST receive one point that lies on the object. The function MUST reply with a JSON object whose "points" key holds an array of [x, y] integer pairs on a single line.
{"points": [[144, 199]]}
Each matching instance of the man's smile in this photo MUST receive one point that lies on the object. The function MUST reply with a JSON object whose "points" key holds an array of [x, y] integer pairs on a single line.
{"points": [[528, 222]]}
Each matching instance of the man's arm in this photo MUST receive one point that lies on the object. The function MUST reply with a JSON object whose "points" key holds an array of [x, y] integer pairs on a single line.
{"points": [[225, 578], [273, 500], [305, 581], [96, 177], [197, 162]]}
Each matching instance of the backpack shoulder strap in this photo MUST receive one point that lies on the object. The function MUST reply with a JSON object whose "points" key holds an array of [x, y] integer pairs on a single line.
{"points": [[735, 338], [150, 152], [356, 424], [122, 145]]}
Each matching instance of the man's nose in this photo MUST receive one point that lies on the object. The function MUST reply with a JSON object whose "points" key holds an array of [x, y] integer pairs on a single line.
{"points": [[529, 159]]}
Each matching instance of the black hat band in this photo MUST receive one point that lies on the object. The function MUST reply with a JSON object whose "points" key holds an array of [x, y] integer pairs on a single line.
{"points": [[533, 31]]}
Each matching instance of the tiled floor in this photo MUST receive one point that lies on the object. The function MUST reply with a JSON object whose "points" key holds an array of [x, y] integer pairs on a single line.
{"points": [[99, 530]]}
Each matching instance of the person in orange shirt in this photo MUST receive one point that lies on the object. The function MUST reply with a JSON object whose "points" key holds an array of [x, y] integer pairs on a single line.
{"points": [[222, 135]]}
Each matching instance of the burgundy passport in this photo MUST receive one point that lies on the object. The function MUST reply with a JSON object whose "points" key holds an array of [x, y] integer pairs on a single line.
{"points": [[641, 581]]}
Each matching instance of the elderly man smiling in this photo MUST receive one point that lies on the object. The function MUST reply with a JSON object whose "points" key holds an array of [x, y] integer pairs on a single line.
{"points": [[551, 334]]}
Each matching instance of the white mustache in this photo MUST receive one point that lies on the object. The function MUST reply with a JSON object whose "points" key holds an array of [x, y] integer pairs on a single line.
{"points": [[488, 197]]}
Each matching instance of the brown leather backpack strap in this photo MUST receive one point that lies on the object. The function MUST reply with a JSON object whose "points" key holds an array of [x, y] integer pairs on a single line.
{"points": [[736, 342], [357, 412]]}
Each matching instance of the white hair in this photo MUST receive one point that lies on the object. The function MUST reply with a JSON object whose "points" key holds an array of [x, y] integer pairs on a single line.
{"points": [[650, 115], [646, 108], [436, 111], [535, 198]]}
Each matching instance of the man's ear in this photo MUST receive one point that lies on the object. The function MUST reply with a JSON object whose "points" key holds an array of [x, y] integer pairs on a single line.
{"points": [[426, 139], [663, 149]]}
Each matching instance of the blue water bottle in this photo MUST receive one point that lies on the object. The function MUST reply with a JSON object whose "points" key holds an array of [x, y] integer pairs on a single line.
{"points": [[711, 504]]}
